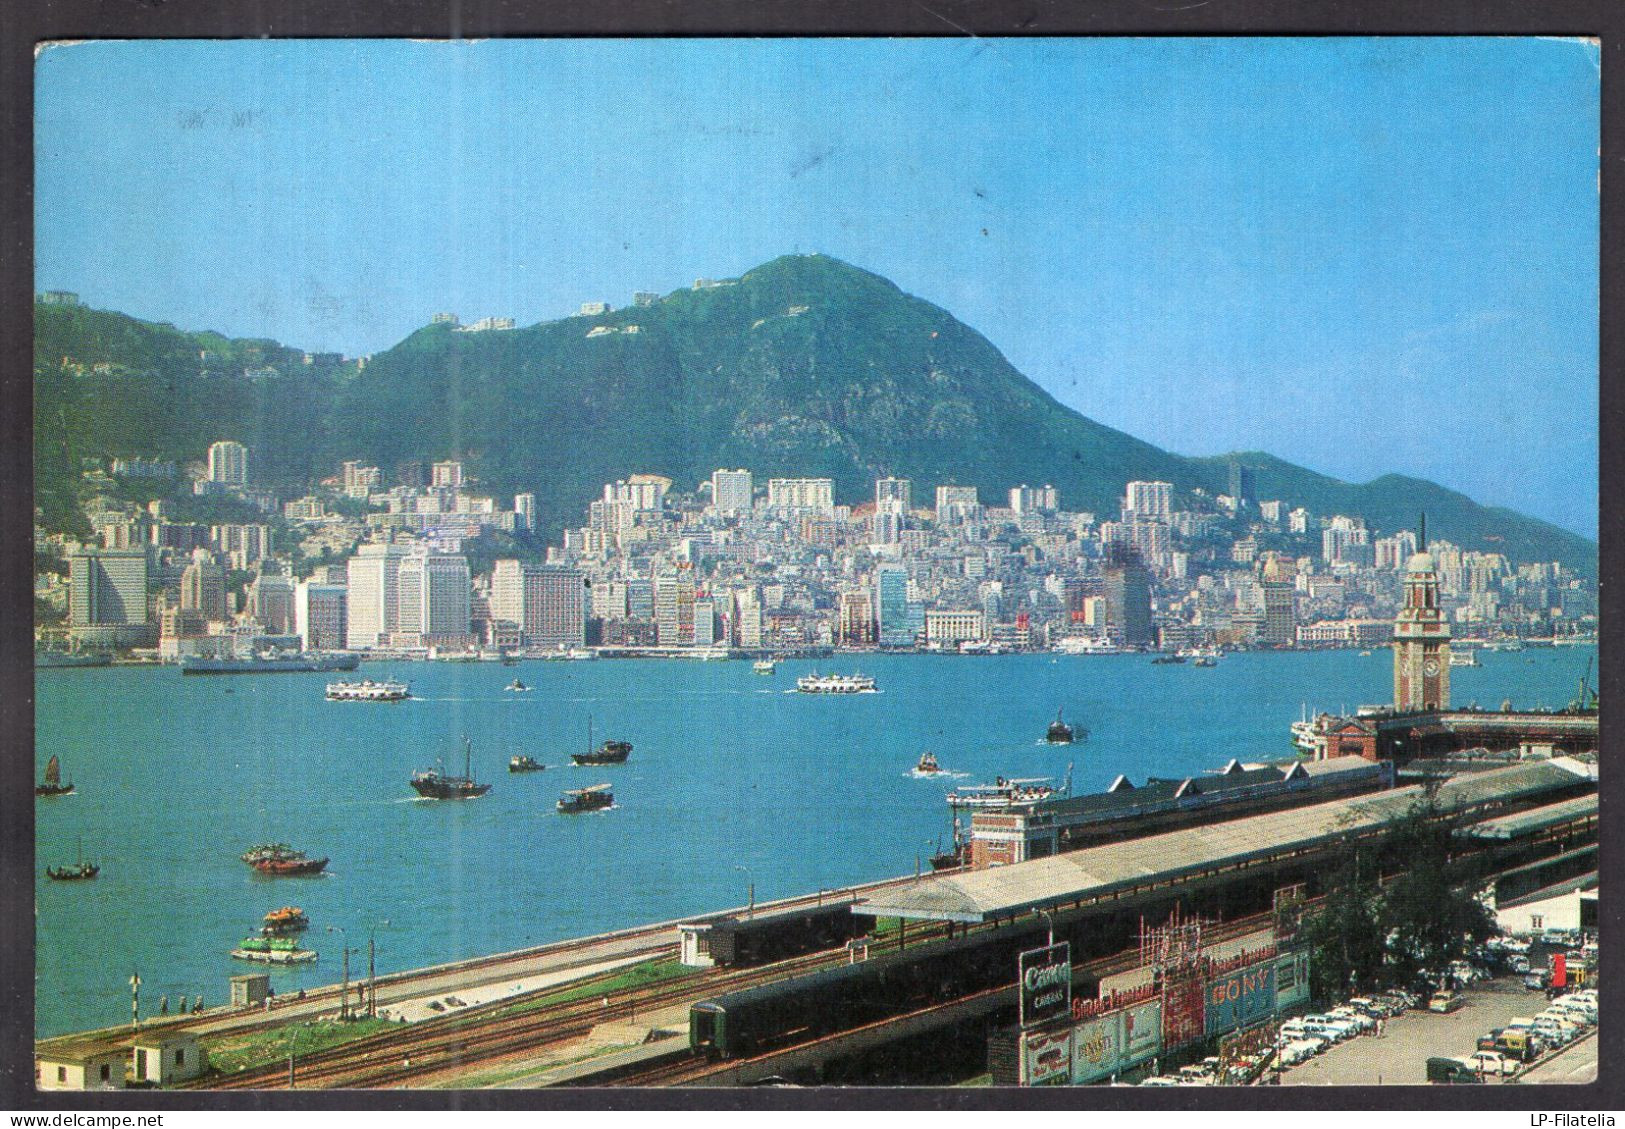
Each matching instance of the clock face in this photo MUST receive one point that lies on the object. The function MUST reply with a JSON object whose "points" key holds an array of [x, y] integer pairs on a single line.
{"points": [[1431, 668]]}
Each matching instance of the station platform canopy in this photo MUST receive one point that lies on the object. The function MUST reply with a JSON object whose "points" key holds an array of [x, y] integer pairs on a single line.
{"points": [[1523, 823], [1190, 853]]}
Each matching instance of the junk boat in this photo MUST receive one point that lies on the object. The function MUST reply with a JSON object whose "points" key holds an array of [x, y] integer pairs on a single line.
{"points": [[434, 784], [282, 861], [610, 752], [596, 798], [524, 764], [1060, 733], [273, 950], [368, 691], [1002, 793], [78, 872], [764, 666], [52, 784], [284, 921], [516, 687], [928, 764], [1168, 660], [269, 664], [835, 684]]}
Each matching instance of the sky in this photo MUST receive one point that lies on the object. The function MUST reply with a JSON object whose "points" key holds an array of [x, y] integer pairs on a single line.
{"points": [[1363, 256]]}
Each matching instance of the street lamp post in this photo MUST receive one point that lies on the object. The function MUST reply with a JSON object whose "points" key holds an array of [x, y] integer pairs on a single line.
{"points": [[372, 968], [344, 994], [1050, 918], [750, 910]]}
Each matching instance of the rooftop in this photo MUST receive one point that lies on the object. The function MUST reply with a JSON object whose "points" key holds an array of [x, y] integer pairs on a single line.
{"points": [[1175, 855]]}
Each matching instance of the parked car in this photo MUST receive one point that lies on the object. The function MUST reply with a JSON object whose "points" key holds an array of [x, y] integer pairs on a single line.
{"points": [[1488, 1062], [1452, 1071], [1295, 1051], [1345, 1028], [1554, 1032], [1362, 1022], [1447, 1001], [1491, 1040], [1297, 1031], [1160, 1080]]}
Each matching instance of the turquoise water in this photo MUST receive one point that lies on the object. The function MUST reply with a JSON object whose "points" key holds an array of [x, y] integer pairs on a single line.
{"points": [[734, 779]]}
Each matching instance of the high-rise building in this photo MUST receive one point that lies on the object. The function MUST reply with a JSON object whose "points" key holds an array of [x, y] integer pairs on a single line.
{"points": [[1148, 500], [1421, 640], [674, 610], [642, 491], [891, 600], [1243, 483], [319, 615], [856, 627], [548, 603], [1280, 619], [524, 512], [203, 587], [228, 463], [705, 622], [270, 602], [360, 481], [731, 491], [1026, 499], [956, 503], [1126, 591], [448, 474], [373, 609], [893, 490], [243, 546], [433, 600], [107, 587], [801, 493]]}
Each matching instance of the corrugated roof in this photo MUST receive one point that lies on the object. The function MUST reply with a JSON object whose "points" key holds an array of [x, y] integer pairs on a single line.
{"points": [[1524, 822], [1172, 855]]}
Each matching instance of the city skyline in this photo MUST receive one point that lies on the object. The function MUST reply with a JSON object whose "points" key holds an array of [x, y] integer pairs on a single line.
{"points": [[1427, 208]]}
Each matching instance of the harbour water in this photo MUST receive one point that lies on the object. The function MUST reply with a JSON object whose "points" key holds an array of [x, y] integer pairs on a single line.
{"points": [[734, 779]]}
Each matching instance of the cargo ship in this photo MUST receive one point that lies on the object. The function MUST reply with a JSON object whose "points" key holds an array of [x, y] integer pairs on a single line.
{"points": [[435, 784], [835, 684], [369, 691], [298, 663], [282, 861], [610, 752], [596, 798]]}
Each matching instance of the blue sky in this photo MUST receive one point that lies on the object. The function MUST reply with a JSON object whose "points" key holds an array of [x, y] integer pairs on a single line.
{"points": [[1363, 256]]}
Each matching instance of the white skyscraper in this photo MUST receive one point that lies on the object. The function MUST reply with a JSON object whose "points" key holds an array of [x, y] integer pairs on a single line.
{"points": [[731, 491], [374, 595], [524, 511], [1149, 499], [228, 463]]}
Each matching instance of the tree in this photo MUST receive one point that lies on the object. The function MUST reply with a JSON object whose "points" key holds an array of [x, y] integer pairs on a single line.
{"points": [[1344, 940], [1431, 912]]}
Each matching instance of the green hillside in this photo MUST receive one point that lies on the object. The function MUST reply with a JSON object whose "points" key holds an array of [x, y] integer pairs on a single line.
{"points": [[804, 366]]}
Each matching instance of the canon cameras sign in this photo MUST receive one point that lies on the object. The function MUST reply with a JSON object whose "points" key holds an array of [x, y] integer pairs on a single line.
{"points": [[1046, 983]]}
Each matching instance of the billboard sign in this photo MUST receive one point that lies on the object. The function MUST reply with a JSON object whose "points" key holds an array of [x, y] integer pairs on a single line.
{"points": [[1291, 980], [1046, 1058], [1142, 1033], [1046, 983], [1239, 998], [1097, 1048]]}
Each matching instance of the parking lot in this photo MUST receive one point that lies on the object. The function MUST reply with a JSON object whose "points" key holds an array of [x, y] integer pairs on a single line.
{"points": [[1399, 1057]]}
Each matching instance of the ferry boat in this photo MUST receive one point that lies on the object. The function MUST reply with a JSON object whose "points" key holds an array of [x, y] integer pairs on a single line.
{"points": [[434, 784], [296, 663], [764, 666], [816, 683], [524, 764], [516, 687], [369, 691], [1086, 645], [928, 764], [284, 921], [273, 950], [1463, 658], [1002, 793], [1304, 732], [1060, 733], [595, 798], [1202, 656], [52, 784]]}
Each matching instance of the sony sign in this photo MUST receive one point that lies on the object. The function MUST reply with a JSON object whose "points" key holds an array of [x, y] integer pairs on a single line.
{"points": [[1046, 983]]}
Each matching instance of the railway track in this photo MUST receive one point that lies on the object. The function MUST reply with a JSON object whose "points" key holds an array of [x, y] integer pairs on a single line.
{"points": [[483, 1036]]}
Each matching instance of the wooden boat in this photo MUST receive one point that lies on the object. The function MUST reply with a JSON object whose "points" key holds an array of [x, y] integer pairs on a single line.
{"points": [[52, 784]]}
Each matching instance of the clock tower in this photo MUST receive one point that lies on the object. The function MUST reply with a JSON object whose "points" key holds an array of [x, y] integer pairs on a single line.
{"points": [[1421, 640]]}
